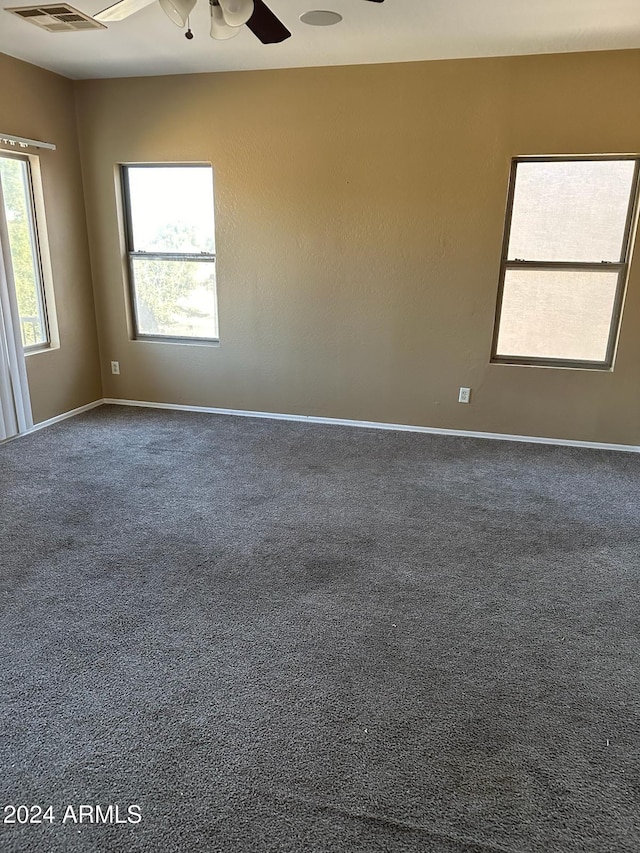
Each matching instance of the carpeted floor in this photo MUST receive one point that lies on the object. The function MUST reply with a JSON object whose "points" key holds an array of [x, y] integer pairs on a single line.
{"points": [[283, 637]]}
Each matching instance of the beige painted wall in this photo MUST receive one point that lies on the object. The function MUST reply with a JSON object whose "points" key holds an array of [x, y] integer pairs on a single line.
{"points": [[40, 105], [359, 226]]}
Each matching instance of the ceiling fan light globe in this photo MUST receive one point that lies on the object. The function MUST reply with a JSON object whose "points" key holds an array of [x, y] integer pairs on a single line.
{"points": [[220, 29], [177, 10], [236, 12]]}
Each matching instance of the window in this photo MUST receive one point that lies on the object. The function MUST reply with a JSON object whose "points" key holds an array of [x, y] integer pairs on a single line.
{"points": [[16, 185], [565, 260], [171, 247]]}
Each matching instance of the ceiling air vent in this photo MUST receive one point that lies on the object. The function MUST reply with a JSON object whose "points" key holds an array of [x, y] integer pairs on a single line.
{"points": [[58, 18]]}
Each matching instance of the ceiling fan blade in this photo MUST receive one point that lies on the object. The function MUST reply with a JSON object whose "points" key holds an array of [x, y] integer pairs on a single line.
{"points": [[122, 10], [264, 24]]}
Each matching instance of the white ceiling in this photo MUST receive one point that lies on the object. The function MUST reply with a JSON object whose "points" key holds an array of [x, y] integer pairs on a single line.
{"points": [[395, 31]]}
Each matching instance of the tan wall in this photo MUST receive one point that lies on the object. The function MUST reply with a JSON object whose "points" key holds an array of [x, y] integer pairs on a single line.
{"points": [[40, 105], [359, 226]]}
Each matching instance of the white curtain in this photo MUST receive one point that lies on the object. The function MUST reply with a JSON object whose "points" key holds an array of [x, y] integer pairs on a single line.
{"points": [[15, 404]]}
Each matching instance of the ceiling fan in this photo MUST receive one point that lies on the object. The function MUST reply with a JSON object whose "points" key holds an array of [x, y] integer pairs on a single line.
{"points": [[227, 16]]}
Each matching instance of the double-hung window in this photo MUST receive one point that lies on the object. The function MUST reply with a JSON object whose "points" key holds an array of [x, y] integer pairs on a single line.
{"points": [[565, 260], [171, 249], [17, 210]]}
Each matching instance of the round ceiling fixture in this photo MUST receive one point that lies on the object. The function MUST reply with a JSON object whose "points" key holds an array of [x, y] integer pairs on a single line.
{"points": [[320, 18]]}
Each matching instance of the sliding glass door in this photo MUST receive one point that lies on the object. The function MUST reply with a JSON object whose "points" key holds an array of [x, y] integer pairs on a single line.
{"points": [[22, 313]]}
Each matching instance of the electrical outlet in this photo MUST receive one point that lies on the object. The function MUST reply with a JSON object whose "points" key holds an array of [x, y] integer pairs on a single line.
{"points": [[115, 367], [464, 395]]}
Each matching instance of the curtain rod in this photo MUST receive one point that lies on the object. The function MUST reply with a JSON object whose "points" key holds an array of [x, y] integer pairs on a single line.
{"points": [[7, 139]]}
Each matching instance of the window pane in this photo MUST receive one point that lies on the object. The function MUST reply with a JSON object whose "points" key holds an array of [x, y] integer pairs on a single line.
{"points": [[16, 191], [172, 208], [175, 298], [556, 314], [570, 211]]}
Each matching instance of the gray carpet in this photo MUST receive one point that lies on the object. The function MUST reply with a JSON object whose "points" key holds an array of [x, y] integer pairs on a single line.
{"points": [[284, 637]]}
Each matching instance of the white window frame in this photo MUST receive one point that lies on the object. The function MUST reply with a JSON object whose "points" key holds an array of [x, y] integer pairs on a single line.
{"points": [[621, 267], [40, 252]]}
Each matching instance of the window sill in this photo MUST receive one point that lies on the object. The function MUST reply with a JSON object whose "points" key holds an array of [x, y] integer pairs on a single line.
{"points": [[587, 367], [38, 350], [189, 342]]}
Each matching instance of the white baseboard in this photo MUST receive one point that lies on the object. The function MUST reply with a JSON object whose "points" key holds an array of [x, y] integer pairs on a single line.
{"points": [[63, 416], [496, 436], [55, 420]]}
